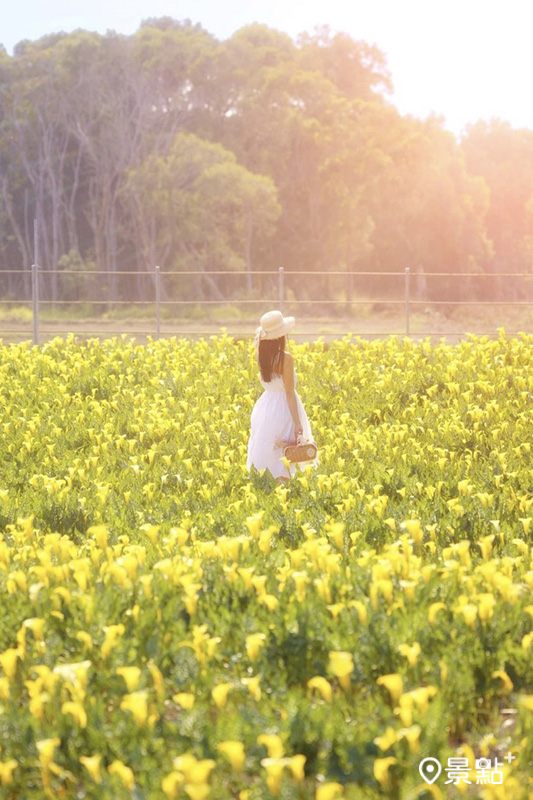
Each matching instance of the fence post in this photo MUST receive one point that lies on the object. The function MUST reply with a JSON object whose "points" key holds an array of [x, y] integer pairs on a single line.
{"points": [[407, 272], [280, 285], [157, 302], [35, 301]]}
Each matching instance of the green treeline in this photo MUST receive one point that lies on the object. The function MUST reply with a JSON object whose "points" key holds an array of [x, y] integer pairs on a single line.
{"points": [[171, 147]]}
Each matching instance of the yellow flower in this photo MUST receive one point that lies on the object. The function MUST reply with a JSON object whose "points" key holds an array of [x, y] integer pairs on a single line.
{"points": [[253, 686], [220, 694], [485, 545], [526, 701], [92, 765], [46, 749], [336, 532], [507, 682], [270, 601], [335, 610], [381, 769], [112, 633], [410, 652], [469, 611], [100, 533], [254, 643], [419, 697], [296, 766], [75, 675], [158, 680], [329, 791], [6, 771], [37, 704], [234, 750], [246, 574], [77, 711], [323, 686], [197, 791], [254, 524], [412, 734], [361, 610], [137, 703], [8, 660], [414, 528], [184, 699], [385, 586], [194, 771], [393, 683], [487, 602], [85, 638], [152, 531], [36, 626], [274, 769], [131, 675], [286, 462], [387, 740], [433, 609], [341, 666], [272, 743], [124, 773], [170, 784]]}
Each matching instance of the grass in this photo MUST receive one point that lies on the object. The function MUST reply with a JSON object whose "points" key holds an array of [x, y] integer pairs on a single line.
{"points": [[312, 319]]}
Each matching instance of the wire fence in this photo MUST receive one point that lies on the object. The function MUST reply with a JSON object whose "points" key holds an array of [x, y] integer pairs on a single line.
{"points": [[411, 300]]}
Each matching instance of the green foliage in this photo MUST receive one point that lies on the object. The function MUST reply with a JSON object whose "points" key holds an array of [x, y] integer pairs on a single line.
{"points": [[503, 160], [204, 206], [170, 147]]}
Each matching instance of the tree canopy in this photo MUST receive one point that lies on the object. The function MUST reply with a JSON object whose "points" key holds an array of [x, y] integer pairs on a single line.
{"points": [[172, 147]]}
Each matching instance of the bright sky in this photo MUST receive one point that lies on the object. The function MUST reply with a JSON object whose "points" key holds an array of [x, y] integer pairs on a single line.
{"points": [[461, 59]]}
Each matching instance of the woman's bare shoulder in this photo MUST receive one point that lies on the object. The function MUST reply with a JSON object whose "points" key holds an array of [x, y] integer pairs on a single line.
{"points": [[288, 362], [277, 357]]}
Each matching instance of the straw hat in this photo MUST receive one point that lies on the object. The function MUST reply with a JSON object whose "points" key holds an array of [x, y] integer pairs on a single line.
{"points": [[273, 325]]}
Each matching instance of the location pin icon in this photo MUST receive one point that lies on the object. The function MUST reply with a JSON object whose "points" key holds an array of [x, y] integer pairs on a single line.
{"points": [[430, 769]]}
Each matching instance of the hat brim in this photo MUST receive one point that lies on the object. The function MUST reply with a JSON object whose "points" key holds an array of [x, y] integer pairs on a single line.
{"points": [[286, 326]]}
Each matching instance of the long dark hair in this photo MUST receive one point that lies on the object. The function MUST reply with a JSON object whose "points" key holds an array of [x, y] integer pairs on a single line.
{"points": [[268, 350]]}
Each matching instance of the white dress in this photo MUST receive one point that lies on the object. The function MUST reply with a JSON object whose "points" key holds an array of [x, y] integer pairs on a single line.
{"points": [[271, 420]]}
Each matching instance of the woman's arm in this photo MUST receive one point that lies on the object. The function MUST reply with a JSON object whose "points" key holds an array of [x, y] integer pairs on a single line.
{"points": [[288, 382]]}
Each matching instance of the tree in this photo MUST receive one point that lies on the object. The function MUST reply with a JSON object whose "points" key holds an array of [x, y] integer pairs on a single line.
{"points": [[503, 158], [197, 208], [171, 147], [357, 69], [427, 209], [288, 120]]}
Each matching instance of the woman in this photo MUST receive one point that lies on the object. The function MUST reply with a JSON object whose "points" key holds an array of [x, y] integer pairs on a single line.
{"points": [[278, 417]]}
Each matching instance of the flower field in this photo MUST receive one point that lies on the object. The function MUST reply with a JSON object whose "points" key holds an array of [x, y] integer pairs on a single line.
{"points": [[173, 627]]}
